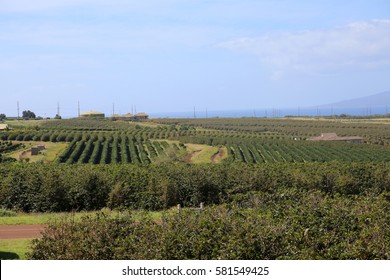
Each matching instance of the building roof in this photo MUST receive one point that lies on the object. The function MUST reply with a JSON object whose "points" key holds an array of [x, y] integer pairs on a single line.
{"points": [[334, 137], [3, 126], [142, 114], [92, 113], [126, 116]]}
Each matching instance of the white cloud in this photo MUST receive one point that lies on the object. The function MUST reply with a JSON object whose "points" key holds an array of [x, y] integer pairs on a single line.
{"points": [[364, 45]]}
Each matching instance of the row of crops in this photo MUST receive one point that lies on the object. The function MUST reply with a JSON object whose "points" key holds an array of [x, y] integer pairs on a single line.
{"points": [[244, 128], [306, 152], [191, 136], [374, 133], [106, 148], [8, 146], [115, 149], [246, 140]]}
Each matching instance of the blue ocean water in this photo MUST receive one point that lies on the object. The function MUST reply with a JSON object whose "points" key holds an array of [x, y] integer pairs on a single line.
{"points": [[276, 113]]}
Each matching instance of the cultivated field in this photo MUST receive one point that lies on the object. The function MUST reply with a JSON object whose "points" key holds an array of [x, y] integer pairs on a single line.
{"points": [[268, 192]]}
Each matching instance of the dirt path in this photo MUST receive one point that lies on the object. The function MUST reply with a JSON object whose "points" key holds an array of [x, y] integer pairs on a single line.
{"points": [[20, 231], [218, 156]]}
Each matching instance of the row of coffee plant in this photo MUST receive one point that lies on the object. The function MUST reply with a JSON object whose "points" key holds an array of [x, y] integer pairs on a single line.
{"points": [[63, 187], [113, 149], [289, 151], [374, 133], [285, 224]]}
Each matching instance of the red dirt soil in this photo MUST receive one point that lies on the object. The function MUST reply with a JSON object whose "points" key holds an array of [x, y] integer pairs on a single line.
{"points": [[21, 231], [220, 154]]}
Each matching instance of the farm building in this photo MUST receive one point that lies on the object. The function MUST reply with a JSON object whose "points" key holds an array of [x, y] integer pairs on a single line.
{"points": [[334, 137], [41, 147], [34, 151], [131, 117], [92, 114], [4, 126], [126, 117], [141, 116]]}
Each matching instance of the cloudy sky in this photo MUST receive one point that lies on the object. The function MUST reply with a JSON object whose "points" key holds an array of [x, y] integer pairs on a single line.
{"points": [[172, 55]]}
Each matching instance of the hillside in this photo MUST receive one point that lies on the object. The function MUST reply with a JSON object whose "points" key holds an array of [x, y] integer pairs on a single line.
{"points": [[376, 100]]}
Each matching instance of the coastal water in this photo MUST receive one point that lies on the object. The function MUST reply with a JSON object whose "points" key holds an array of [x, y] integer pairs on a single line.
{"points": [[276, 113]]}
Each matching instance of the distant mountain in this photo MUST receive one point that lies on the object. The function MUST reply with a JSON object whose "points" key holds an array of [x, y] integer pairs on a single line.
{"points": [[376, 100]]}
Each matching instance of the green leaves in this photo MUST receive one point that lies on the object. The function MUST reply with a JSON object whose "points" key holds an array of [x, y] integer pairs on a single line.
{"points": [[62, 187], [312, 225]]}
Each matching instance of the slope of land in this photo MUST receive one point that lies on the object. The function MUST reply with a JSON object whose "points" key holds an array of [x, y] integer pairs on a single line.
{"points": [[375, 100]]}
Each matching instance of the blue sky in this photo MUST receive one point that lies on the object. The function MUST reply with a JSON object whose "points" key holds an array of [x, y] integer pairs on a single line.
{"points": [[172, 55]]}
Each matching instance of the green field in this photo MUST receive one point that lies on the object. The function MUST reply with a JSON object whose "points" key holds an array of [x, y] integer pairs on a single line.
{"points": [[14, 249], [247, 140], [260, 179]]}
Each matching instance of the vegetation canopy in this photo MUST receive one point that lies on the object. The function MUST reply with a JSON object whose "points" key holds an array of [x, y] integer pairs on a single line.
{"points": [[268, 192]]}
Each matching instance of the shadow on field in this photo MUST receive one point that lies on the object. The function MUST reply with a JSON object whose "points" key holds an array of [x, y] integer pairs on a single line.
{"points": [[9, 256]]}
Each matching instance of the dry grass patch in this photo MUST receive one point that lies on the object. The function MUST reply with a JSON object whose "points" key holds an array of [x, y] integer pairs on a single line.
{"points": [[200, 153], [49, 154]]}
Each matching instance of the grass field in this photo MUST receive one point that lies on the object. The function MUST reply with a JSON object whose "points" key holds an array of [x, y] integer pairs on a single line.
{"points": [[25, 123], [39, 218], [200, 153], [51, 152], [14, 249]]}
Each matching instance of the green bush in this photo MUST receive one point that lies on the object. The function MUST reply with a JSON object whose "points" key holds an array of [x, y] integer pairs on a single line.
{"points": [[290, 225], [62, 187], [7, 213]]}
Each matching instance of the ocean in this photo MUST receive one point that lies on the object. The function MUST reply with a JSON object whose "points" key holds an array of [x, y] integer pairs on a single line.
{"points": [[276, 113]]}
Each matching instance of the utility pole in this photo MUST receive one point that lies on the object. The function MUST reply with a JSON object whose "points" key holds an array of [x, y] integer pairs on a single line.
{"points": [[194, 113], [58, 108], [78, 108], [17, 106], [113, 108]]}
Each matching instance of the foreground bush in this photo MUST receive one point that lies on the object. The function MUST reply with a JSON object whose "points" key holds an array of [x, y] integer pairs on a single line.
{"points": [[292, 224]]}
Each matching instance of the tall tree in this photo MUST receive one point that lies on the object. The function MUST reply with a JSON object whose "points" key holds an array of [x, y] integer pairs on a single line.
{"points": [[28, 115]]}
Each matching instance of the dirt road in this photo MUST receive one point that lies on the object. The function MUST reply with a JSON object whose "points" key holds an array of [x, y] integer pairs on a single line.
{"points": [[20, 231]]}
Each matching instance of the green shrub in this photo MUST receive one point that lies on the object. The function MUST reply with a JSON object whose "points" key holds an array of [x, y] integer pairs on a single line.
{"points": [[289, 225], [7, 213], [62, 187]]}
